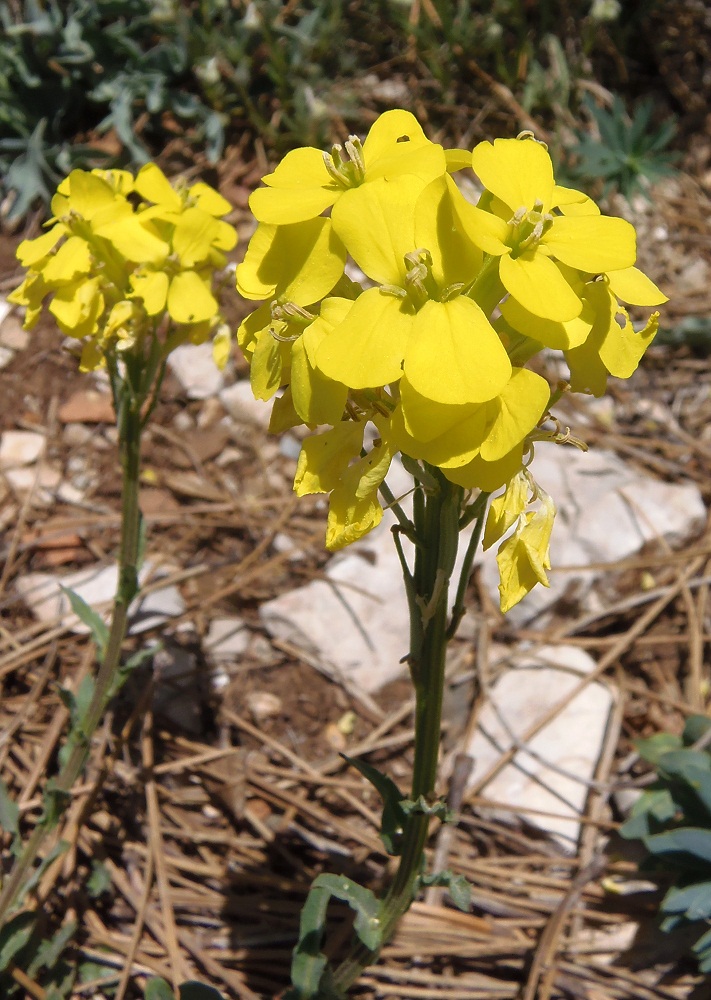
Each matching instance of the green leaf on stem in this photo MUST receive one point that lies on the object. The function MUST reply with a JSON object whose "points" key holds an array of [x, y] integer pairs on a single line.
{"points": [[192, 990], [394, 816], [50, 950], [308, 961], [14, 936], [457, 886], [9, 812], [363, 901], [438, 809], [59, 848], [93, 621], [158, 989]]}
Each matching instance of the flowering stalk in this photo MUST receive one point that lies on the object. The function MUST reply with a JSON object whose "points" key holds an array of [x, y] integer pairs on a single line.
{"points": [[107, 682], [428, 358], [127, 270], [436, 533]]}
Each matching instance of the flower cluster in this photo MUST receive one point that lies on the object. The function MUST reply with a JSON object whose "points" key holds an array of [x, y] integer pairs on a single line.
{"points": [[431, 348], [125, 259]]}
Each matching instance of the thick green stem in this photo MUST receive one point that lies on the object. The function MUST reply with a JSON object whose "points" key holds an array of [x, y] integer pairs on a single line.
{"points": [[436, 519], [129, 417]]}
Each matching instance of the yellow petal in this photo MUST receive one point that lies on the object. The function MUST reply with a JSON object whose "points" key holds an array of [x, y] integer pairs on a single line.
{"points": [[393, 132], [193, 236], [523, 558], [189, 299], [633, 286], [88, 194], [152, 184], [77, 307], [376, 223], [299, 189], [349, 520], [487, 476], [120, 180], [324, 457], [572, 202], [486, 231], [152, 288], [367, 349], [460, 431], [518, 171], [457, 159], [505, 509], [270, 361], [222, 346], [558, 336], [538, 285], [518, 408], [354, 508], [209, 200], [133, 240], [455, 257], [31, 252], [69, 262], [455, 355], [623, 347], [317, 399], [300, 263], [592, 243]]}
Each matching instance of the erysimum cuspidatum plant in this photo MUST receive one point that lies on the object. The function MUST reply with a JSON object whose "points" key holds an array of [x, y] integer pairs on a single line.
{"points": [[129, 267], [428, 356]]}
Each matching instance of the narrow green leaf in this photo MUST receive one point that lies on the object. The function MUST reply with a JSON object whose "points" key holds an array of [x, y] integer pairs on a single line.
{"points": [[158, 989], [308, 962], [14, 936], [193, 990], [92, 619], [694, 841], [693, 901], [367, 907], [9, 811], [696, 727], [457, 886], [49, 951], [394, 816]]}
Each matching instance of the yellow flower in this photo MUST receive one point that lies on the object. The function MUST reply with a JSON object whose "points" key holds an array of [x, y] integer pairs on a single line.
{"points": [[537, 238], [307, 181], [113, 264], [417, 321]]}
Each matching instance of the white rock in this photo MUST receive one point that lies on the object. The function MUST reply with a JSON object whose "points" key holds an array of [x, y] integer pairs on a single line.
{"points": [[282, 543], [551, 773], [43, 594], [5, 308], [239, 401], [354, 625], [263, 705], [193, 366], [13, 334], [44, 483], [19, 448], [75, 435], [226, 639], [6, 356]]}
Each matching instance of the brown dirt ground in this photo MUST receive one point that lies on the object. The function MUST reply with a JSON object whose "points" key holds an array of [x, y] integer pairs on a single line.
{"points": [[211, 837]]}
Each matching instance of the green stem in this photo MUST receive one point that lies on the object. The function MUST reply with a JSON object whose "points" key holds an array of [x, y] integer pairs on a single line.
{"points": [[436, 520], [129, 415]]}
